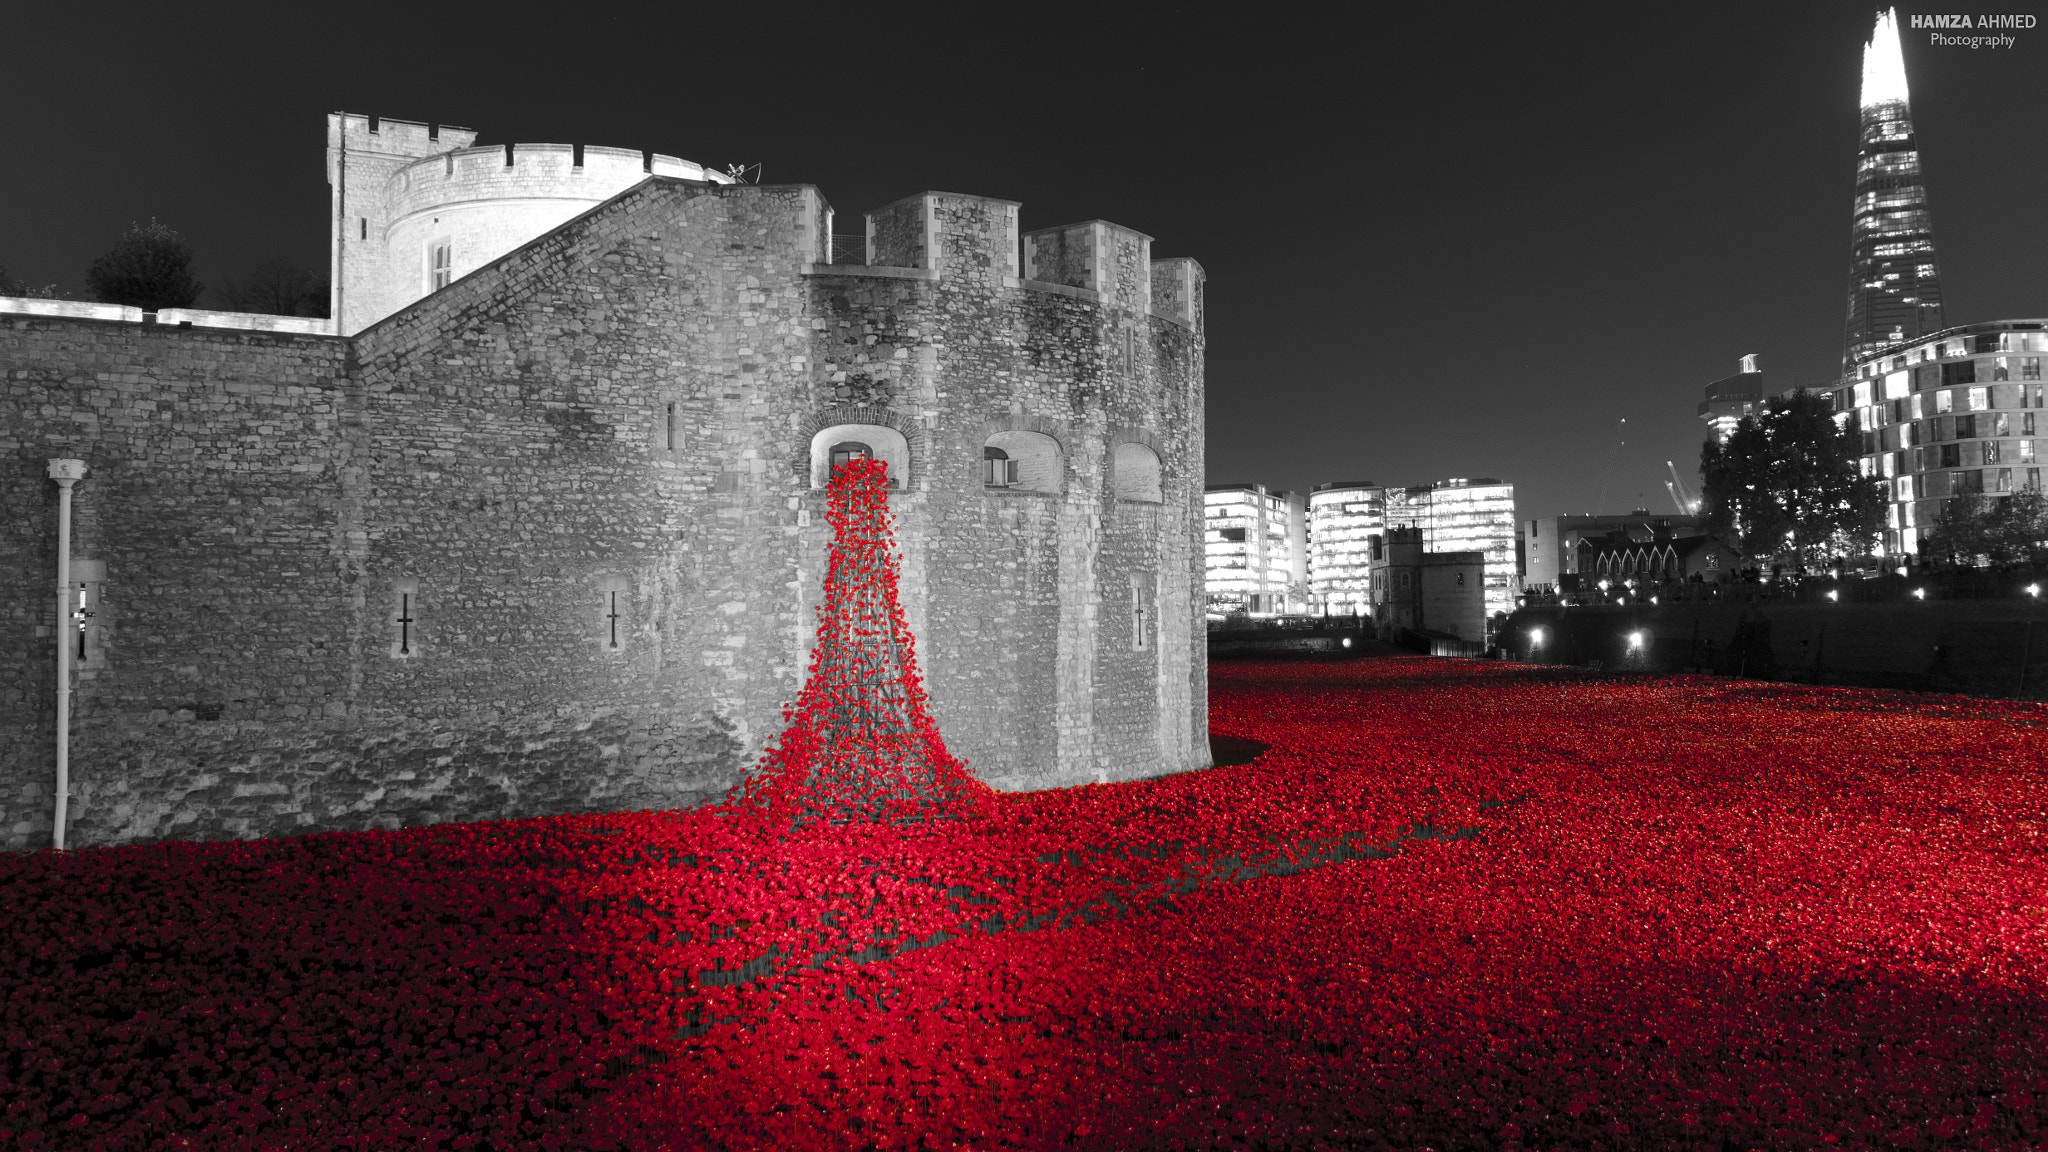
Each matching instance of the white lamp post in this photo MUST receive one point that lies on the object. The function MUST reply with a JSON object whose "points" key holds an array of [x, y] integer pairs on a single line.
{"points": [[65, 473]]}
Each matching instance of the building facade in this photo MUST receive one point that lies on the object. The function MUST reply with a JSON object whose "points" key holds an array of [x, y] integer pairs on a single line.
{"points": [[1416, 589], [551, 536], [1958, 413], [1466, 516], [1256, 548], [1346, 524], [1554, 545]]}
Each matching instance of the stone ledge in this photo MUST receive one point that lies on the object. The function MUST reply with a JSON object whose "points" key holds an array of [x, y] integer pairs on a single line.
{"points": [[1088, 294], [814, 269]]}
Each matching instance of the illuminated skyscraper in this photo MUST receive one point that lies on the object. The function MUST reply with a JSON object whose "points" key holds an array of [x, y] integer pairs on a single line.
{"points": [[1894, 289], [1256, 550], [1346, 521], [1349, 520]]}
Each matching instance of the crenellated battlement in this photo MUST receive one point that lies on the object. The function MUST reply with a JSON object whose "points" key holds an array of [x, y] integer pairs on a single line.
{"points": [[976, 239], [379, 144], [418, 206], [509, 171], [1108, 259], [961, 237], [1177, 290]]}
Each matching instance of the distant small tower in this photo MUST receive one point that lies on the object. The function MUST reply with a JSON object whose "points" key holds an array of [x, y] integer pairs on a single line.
{"points": [[1894, 285]]}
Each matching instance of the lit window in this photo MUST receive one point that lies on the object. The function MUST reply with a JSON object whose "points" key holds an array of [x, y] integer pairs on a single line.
{"points": [[998, 470], [847, 451], [2026, 451], [2030, 367], [443, 265], [1991, 451], [1980, 399], [1944, 401], [1998, 370]]}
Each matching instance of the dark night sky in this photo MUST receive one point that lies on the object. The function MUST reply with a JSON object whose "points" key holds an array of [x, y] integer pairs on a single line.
{"points": [[1437, 245]]}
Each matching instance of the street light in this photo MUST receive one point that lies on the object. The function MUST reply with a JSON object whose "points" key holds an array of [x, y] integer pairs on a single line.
{"points": [[1834, 595], [1920, 593]]}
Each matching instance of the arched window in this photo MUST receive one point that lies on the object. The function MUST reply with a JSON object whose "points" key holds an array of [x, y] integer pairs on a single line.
{"points": [[998, 470], [1136, 471], [1021, 462], [833, 446], [847, 451]]}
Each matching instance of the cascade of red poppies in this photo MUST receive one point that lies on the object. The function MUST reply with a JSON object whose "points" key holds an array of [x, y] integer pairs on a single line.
{"points": [[859, 743]]}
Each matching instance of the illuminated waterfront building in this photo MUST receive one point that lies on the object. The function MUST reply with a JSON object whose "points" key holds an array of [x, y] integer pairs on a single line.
{"points": [[1346, 519], [1895, 286], [1256, 548], [1955, 414], [1466, 516]]}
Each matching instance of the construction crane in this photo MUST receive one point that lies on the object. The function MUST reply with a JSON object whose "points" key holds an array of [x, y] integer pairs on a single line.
{"points": [[1688, 504]]}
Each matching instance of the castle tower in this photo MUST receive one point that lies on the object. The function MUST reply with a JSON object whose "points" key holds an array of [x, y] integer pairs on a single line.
{"points": [[417, 207], [1894, 288]]}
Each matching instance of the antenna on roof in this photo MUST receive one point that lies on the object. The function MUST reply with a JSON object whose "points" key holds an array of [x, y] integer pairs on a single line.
{"points": [[738, 172]]}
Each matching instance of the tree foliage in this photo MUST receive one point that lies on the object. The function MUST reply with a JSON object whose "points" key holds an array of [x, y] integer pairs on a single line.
{"points": [[277, 288], [149, 268], [2002, 529], [1786, 484], [9, 286]]}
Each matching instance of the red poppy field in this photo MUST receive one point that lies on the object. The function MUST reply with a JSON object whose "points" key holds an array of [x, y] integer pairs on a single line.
{"points": [[1456, 905]]}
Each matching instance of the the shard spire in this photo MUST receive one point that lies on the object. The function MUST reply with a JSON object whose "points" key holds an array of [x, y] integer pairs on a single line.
{"points": [[1894, 287]]}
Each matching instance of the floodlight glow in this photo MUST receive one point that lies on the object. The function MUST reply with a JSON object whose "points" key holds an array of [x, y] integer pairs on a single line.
{"points": [[1884, 66], [1347, 641], [2034, 590], [1920, 593], [1536, 636], [1635, 641], [1834, 595]]}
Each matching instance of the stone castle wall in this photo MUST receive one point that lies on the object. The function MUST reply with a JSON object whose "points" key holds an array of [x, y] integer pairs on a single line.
{"points": [[550, 540]]}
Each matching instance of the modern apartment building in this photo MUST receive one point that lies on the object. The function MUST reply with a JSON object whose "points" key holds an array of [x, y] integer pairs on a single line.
{"points": [[1349, 519], [1256, 545], [1346, 522], [1956, 414]]}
